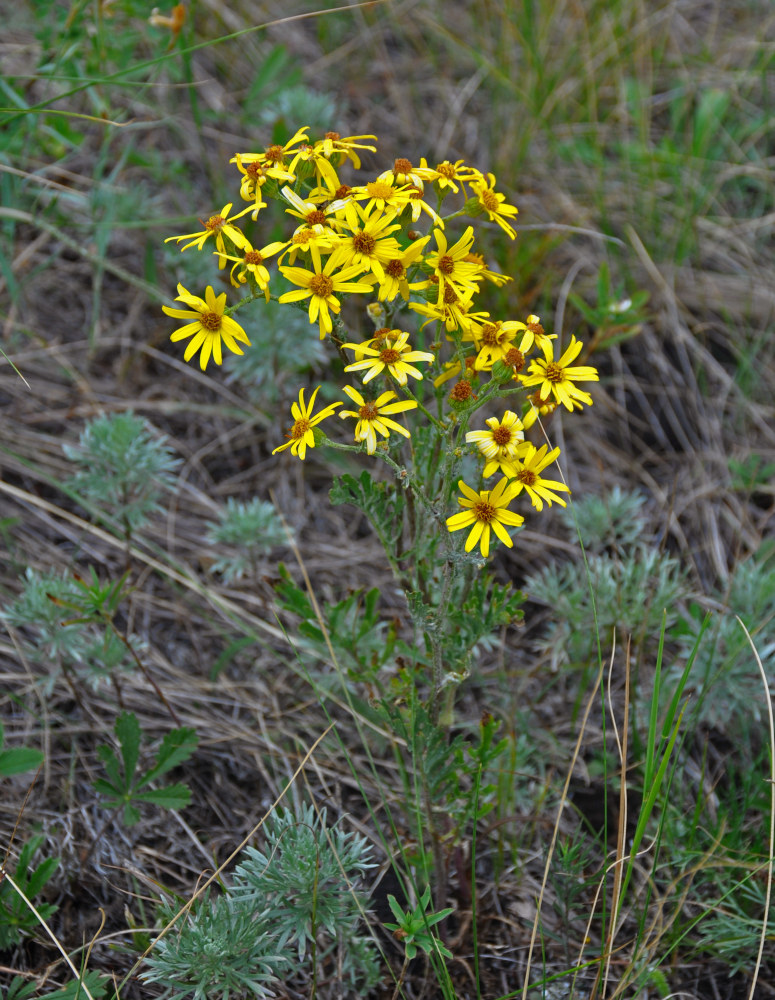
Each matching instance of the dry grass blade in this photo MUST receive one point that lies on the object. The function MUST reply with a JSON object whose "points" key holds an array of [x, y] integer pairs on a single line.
{"points": [[771, 842]]}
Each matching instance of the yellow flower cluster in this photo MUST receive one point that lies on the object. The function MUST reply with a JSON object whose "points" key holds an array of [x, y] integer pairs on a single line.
{"points": [[363, 240]]}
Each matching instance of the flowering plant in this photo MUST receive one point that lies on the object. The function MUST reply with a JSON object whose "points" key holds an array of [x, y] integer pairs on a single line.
{"points": [[429, 361]]}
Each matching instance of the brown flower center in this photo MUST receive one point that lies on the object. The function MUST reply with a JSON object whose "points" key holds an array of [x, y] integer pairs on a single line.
{"points": [[368, 412], [275, 154], [389, 356], [461, 391], [254, 170], [515, 359], [364, 243], [214, 223], [332, 135], [402, 166], [535, 399], [554, 372], [210, 321], [450, 296], [342, 191], [300, 428], [395, 269], [315, 218], [490, 334], [303, 236], [446, 264], [446, 169], [253, 257], [536, 329], [321, 285], [527, 477], [490, 200], [484, 511], [501, 435]]}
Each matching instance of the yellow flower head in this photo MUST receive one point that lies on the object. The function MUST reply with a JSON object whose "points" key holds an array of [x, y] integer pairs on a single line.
{"points": [[382, 195], [501, 443], [527, 475], [217, 226], [301, 435], [254, 175], [372, 416], [444, 174], [390, 352], [319, 286], [369, 243], [494, 204], [484, 512], [557, 378], [312, 216], [394, 280], [334, 146], [495, 341], [451, 266], [209, 327]]}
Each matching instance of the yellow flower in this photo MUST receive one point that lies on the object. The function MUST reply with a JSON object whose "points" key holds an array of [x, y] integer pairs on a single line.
{"points": [[218, 226], [450, 265], [319, 287], [372, 416], [369, 244], [534, 334], [527, 475], [501, 444], [494, 204], [452, 310], [495, 342], [403, 172], [321, 220], [274, 156], [301, 435], [557, 377], [209, 328], [381, 194], [392, 353], [394, 280], [253, 261], [485, 511], [445, 174], [332, 144], [254, 175]]}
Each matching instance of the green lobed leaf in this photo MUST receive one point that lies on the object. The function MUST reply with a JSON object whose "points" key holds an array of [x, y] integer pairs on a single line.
{"points": [[176, 796], [177, 746], [18, 760], [127, 730]]}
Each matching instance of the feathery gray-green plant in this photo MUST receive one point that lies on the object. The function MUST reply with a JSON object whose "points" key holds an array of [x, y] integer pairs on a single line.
{"points": [[123, 468]]}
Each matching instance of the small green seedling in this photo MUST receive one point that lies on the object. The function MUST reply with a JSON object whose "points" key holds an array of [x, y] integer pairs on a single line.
{"points": [[126, 786], [413, 928]]}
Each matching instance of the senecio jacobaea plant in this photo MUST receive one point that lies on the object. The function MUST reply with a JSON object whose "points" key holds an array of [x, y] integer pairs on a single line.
{"points": [[433, 362]]}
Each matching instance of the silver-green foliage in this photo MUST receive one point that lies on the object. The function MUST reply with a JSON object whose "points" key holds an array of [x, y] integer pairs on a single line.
{"points": [[297, 901], [123, 468], [280, 348], [625, 585], [725, 681], [42, 611], [249, 530], [220, 949], [306, 874]]}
